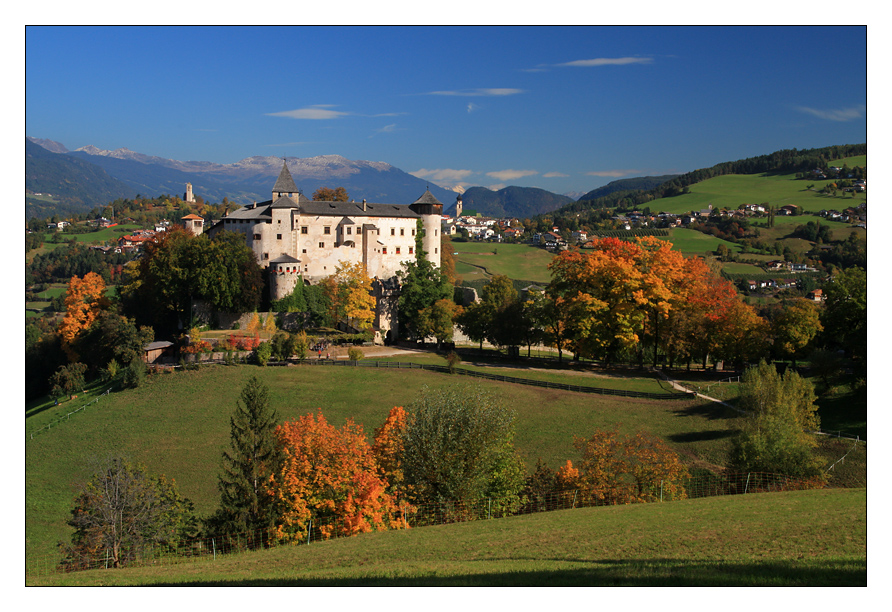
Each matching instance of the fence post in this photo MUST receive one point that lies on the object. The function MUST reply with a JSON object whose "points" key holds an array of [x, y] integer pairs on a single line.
{"points": [[746, 488], [214, 545], [574, 498], [309, 531], [489, 508], [661, 490]]}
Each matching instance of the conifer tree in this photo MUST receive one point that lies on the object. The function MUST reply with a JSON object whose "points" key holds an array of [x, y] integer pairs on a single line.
{"points": [[254, 455]]}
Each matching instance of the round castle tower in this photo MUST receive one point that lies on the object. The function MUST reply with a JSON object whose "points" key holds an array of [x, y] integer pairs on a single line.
{"points": [[431, 211]]}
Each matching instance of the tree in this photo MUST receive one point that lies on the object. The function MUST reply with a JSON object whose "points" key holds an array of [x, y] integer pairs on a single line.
{"points": [[845, 314], [351, 295], [622, 468], [458, 446], [421, 285], [68, 379], [325, 194], [437, 320], [329, 476], [776, 435], [795, 327], [246, 503], [112, 336], [84, 300], [120, 510]]}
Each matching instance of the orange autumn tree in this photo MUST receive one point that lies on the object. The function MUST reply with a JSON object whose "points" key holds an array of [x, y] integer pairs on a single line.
{"points": [[83, 301], [329, 476], [387, 449], [621, 468]]}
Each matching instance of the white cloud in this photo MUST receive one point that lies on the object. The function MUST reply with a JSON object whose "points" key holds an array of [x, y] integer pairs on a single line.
{"points": [[442, 174], [555, 175], [838, 114], [317, 111], [472, 107], [386, 129], [608, 61], [612, 173], [490, 91], [508, 175], [496, 187]]}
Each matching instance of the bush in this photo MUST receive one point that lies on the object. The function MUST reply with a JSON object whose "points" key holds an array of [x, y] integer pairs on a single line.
{"points": [[355, 353], [134, 374], [263, 353]]}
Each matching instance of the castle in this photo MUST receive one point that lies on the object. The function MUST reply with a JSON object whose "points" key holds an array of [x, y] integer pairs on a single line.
{"points": [[303, 240]]}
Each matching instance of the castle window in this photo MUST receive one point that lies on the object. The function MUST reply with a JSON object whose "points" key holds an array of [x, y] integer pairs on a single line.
{"points": [[411, 250], [321, 245], [392, 232], [304, 229], [266, 255], [413, 232], [256, 236], [326, 230], [278, 236], [349, 230], [402, 232], [435, 250], [304, 251], [397, 250], [384, 250]]}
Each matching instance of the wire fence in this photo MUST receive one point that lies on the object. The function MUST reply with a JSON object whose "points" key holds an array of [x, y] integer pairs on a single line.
{"points": [[318, 528], [67, 416]]}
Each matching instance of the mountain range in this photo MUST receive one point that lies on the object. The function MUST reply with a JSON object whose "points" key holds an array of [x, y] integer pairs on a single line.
{"points": [[87, 177]]}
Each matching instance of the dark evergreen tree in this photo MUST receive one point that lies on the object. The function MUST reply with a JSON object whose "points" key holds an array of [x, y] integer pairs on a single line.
{"points": [[254, 455], [421, 284]]}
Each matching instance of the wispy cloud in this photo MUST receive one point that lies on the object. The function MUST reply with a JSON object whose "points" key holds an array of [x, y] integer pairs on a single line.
{"points": [[594, 62], [612, 173], [555, 175], [509, 175], [472, 107], [316, 111], [835, 114], [607, 61], [442, 174], [489, 91], [386, 129], [289, 144]]}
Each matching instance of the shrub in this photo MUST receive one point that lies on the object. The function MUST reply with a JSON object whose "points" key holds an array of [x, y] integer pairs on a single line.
{"points": [[134, 374], [263, 353], [355, 353]]}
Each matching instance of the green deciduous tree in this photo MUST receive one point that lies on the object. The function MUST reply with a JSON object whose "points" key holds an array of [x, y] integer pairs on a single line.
{"points": [[776, 435], [845, 314], [421, 285], [68, 379], [121, 510], [458, 446], [795, 327], [246, 503]]}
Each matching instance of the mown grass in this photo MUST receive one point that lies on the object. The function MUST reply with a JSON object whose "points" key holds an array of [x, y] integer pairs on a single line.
{"points": [[178, 424], [801, 538], [518, 261]]}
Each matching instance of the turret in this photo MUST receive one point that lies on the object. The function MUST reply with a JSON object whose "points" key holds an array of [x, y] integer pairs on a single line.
{"points": [[431, 211]]}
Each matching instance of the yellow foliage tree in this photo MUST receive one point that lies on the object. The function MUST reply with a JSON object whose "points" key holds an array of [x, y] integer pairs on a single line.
{"points": [[83, 301], [353, 298]]}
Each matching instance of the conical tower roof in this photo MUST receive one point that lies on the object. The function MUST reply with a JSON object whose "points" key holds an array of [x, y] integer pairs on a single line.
{"points": [[427, 198], [284, 184]]}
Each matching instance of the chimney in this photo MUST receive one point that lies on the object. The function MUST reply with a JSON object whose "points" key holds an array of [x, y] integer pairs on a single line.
{"points": [[363, 204]]}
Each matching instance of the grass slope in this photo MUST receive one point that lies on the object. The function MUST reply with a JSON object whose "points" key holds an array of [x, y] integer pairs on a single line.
{"points": [[178, 425], [802, 538]]}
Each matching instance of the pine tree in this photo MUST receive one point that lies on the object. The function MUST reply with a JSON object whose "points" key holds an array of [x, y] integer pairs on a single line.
{"points": [[254, 456]]}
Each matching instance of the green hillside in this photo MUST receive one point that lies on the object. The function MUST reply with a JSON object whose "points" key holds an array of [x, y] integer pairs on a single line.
{"points": [[802, 538]]}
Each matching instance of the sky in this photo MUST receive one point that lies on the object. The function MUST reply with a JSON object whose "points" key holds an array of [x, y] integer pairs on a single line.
{"points": [[566, 109]]}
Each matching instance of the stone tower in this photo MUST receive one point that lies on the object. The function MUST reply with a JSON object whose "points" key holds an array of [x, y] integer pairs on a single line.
{"points": [[189, 197], [431, 210], [458, 207]]}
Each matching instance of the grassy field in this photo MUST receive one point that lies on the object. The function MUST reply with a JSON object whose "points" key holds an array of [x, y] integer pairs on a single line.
{"points": [[802, 538], [518, 261], [178, 425]]}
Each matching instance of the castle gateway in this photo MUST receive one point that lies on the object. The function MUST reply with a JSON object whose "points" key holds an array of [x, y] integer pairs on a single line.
{"points": [[299, 239]]}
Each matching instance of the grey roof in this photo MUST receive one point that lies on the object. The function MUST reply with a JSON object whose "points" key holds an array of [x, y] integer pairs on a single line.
{"points": [[285, 258], [158, 344], [284, 184], [262, 210], [427, 198]]}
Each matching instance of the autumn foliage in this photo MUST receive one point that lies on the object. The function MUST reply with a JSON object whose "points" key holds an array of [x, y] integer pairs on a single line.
{"points": [[329, 476], [83, 301], [619, 468]]}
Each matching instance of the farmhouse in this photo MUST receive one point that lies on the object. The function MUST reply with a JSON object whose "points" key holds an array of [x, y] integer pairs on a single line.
{"points": [[301, 240]]}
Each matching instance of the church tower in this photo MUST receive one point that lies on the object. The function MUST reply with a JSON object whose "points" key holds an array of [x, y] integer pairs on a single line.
{"points": [[458, 207], [284, 187]]}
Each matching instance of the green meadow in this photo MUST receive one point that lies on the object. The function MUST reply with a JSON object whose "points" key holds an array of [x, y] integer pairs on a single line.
{"points": [[178, 424], [800, 538]]}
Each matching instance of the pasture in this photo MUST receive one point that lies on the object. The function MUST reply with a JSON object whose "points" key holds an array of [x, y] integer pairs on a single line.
{"points": [[178, 424], [799, 538]]}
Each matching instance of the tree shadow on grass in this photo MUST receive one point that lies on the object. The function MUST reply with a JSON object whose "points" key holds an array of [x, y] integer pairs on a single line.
{"points": [[609, 572], [709, 410], [702, 436]]}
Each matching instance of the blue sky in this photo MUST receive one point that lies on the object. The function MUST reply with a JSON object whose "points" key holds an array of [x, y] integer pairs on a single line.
{"points": [[566, 109]]}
